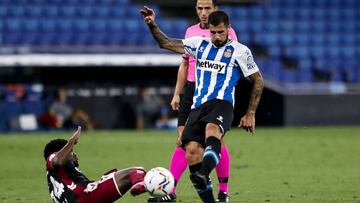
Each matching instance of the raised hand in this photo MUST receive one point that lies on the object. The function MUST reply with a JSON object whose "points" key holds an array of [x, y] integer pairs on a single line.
{"points": [[148, 14], [75, 137]]}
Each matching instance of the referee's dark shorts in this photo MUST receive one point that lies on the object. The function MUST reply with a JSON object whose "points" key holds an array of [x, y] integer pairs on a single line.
{"points": [[185, 103]]}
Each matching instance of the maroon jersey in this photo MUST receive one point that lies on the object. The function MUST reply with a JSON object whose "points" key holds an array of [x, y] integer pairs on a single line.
{"points": [[65, 183]]}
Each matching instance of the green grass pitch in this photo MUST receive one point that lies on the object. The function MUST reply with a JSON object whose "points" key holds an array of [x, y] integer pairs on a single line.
{"points": [[314, 164]]}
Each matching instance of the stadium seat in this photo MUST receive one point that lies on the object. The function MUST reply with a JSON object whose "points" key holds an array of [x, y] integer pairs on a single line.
{"points": [[34, 11], [305, 76], [51, 11], [31, 25]]}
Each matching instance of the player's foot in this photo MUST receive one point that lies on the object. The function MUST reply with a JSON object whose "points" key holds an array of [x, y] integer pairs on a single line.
{"points": [[137, 189], [223, 197], [200, 181], [166, 198], [137, 175]]}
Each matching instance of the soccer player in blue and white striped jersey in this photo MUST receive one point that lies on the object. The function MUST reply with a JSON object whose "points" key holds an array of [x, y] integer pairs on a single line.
{"points": [[221, 62]]}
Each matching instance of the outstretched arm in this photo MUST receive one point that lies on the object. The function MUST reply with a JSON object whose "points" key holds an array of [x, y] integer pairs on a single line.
{"points": [[248, 121], [63, 155], [163, 41], [180, 83]]}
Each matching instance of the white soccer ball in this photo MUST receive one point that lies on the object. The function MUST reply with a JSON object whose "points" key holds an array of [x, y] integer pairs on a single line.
{"points": [[159, 182]]}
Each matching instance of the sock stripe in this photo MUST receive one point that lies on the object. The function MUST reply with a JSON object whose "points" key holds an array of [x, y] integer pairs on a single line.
{"points": [[212, 153], [223, 179]]}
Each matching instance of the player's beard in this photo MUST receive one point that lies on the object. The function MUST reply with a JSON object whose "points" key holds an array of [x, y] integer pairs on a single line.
{"points": [[219, 43]]}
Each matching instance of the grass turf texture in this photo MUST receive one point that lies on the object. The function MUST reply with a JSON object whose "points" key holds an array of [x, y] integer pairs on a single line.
{"points": [[275, 165]]}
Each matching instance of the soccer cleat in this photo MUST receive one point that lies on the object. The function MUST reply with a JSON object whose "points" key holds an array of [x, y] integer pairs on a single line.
{"points": [[137, 189], [200, 181], [223, 197], [166, 198]]}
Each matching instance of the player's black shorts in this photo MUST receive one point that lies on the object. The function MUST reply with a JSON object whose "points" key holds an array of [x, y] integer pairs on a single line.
{"points": [[216, 111], [185, 103]]}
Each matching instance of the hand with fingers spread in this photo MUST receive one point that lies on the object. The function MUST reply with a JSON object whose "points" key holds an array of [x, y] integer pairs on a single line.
{"points": [[148, 14], [247, 122]]}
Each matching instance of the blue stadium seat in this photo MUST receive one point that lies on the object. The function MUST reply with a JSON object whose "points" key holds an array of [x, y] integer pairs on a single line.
{"points": [[318, 26], [116, 25], [12, 105], [67, 11], [302, 39], [33, 103], [256, 27], [317, 52], [316, 40], [238, 13], [239, 26], [301, 52], [86, 11], [289, 76], [302, 13], [48, 25], [275, 52], [31, 25], [81, 25], [305, 64], [133, 26], [269, 40], [286, 39], [332, 39], [272, 13], [12, 39], [301, 26], [51, 11], [64, 25], [274, 67], [3, 118], [13, 25], [34, 11], [256, 13], [101, 12], [16, 11], [332, 52], [98, 25], [3, 11], [117, 12], [305, 75], [271, 26]]}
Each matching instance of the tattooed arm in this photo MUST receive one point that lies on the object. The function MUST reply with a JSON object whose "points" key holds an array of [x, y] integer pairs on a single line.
{"points": [[248, 121], [163, 41]]}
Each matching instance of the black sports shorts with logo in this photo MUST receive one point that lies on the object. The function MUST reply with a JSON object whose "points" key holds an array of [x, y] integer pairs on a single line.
{"points": [[185, 103], [215, 111]]}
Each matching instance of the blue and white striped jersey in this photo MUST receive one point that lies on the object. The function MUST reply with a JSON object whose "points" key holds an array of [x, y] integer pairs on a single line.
{"points": [[218, 69]]}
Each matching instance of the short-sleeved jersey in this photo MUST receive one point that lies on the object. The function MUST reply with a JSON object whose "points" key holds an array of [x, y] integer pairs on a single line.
{"points": [[218, 69], [197, 31], [65, 183]]}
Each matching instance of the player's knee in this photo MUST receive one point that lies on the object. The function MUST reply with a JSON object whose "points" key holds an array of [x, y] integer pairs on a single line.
{"points": [[213, 130], [193, 152]]}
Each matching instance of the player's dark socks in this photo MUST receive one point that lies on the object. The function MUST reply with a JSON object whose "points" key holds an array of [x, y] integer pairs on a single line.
{"points": [[205, 193], [195, 168], [211, 155]]}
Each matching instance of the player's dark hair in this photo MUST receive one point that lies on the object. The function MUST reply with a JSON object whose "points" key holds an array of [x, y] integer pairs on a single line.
{"points": [[217, 17], [215, 2], [54, 146]]}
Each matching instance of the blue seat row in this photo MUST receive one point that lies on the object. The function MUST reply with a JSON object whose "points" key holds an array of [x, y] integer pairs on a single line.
{"points": [[68, 11]]}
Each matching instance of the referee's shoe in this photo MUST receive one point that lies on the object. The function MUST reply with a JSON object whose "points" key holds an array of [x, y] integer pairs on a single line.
{"points": [[166, 198]]}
